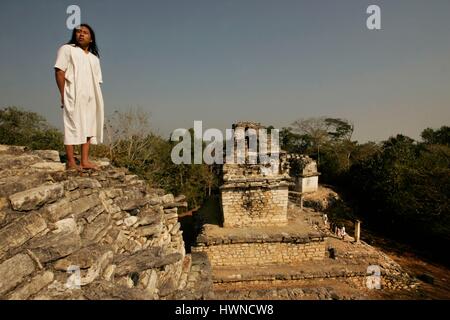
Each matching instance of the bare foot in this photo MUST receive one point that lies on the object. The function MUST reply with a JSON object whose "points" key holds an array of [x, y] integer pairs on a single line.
{"points": [[89, 165]]}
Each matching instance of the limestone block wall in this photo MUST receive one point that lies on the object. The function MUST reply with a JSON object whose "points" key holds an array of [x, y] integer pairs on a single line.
{"points": [[254, 206], [307, 184], [253, 254], [107, 233]]}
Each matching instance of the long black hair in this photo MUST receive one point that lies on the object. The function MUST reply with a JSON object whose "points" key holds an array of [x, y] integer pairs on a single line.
{"points": [[92, 46]]}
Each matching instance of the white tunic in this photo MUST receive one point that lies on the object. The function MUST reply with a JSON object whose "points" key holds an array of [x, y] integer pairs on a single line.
{"points": [[83, 101]]}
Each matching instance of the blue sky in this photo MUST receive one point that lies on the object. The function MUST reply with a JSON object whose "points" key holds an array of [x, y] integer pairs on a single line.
{"points": [[226, 60]]}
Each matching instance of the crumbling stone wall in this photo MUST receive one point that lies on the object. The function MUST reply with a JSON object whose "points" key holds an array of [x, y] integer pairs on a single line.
{"points": [[256, 205], [265, 253], [304, 171], [90, 235], [259, 248], [254, 194]]}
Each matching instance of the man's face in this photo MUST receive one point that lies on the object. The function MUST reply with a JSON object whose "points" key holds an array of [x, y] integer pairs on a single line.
{"points": [[83, 36]]}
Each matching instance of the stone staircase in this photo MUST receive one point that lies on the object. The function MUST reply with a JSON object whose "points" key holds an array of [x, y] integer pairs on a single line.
{"points": [[89, 235]]}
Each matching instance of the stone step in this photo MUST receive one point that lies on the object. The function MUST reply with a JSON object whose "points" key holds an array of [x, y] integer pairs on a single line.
{"points": [[15, 182], [281, 293], [308, 270]]}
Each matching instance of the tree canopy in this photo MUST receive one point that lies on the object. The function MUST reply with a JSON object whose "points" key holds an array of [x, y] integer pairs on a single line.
{"points": [[25, 128]]}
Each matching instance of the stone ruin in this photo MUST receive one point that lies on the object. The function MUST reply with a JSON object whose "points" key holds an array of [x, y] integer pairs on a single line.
{"points": [[256, 227], [305, 174], [90, 235], [108, 235], [266, 241], [254, 194]]}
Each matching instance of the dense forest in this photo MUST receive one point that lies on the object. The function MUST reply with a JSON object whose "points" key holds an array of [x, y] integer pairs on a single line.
{"points": [[400, 186]]}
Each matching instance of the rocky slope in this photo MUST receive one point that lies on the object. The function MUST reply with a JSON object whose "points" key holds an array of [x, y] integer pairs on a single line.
{"points": [[90, 235]]}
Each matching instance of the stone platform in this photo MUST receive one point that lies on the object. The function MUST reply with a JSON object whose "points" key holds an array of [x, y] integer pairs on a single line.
{"points": [[255, 201], [291, 244], [262, 261]]}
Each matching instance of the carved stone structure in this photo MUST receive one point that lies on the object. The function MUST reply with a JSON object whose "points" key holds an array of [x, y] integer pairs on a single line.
{"points": [[90, 235], [304, 172], [254, 193], [265, 240], [254, 199]]}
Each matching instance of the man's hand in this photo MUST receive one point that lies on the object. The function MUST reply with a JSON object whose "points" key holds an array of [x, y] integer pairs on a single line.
{"points": [[60, 82]]}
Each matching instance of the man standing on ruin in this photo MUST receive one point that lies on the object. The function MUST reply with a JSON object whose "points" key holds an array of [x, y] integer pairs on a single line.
{"points": [[78, 77]]}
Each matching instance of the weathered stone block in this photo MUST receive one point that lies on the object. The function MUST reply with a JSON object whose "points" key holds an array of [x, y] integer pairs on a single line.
{"points": [[22, 160], [84, 258], [143, 260], [13, 184], [51, 155], [168, 198], [57, 210], [146, 231], [14, 270], [33, 286], [49, 166], [130, 204], [97, 226], [53, 246], [83, 204], [36, 197], [175, 228], [130, 221], [20, 231], [97, 268], [82, 183], [148, 217], [93, 213]]}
